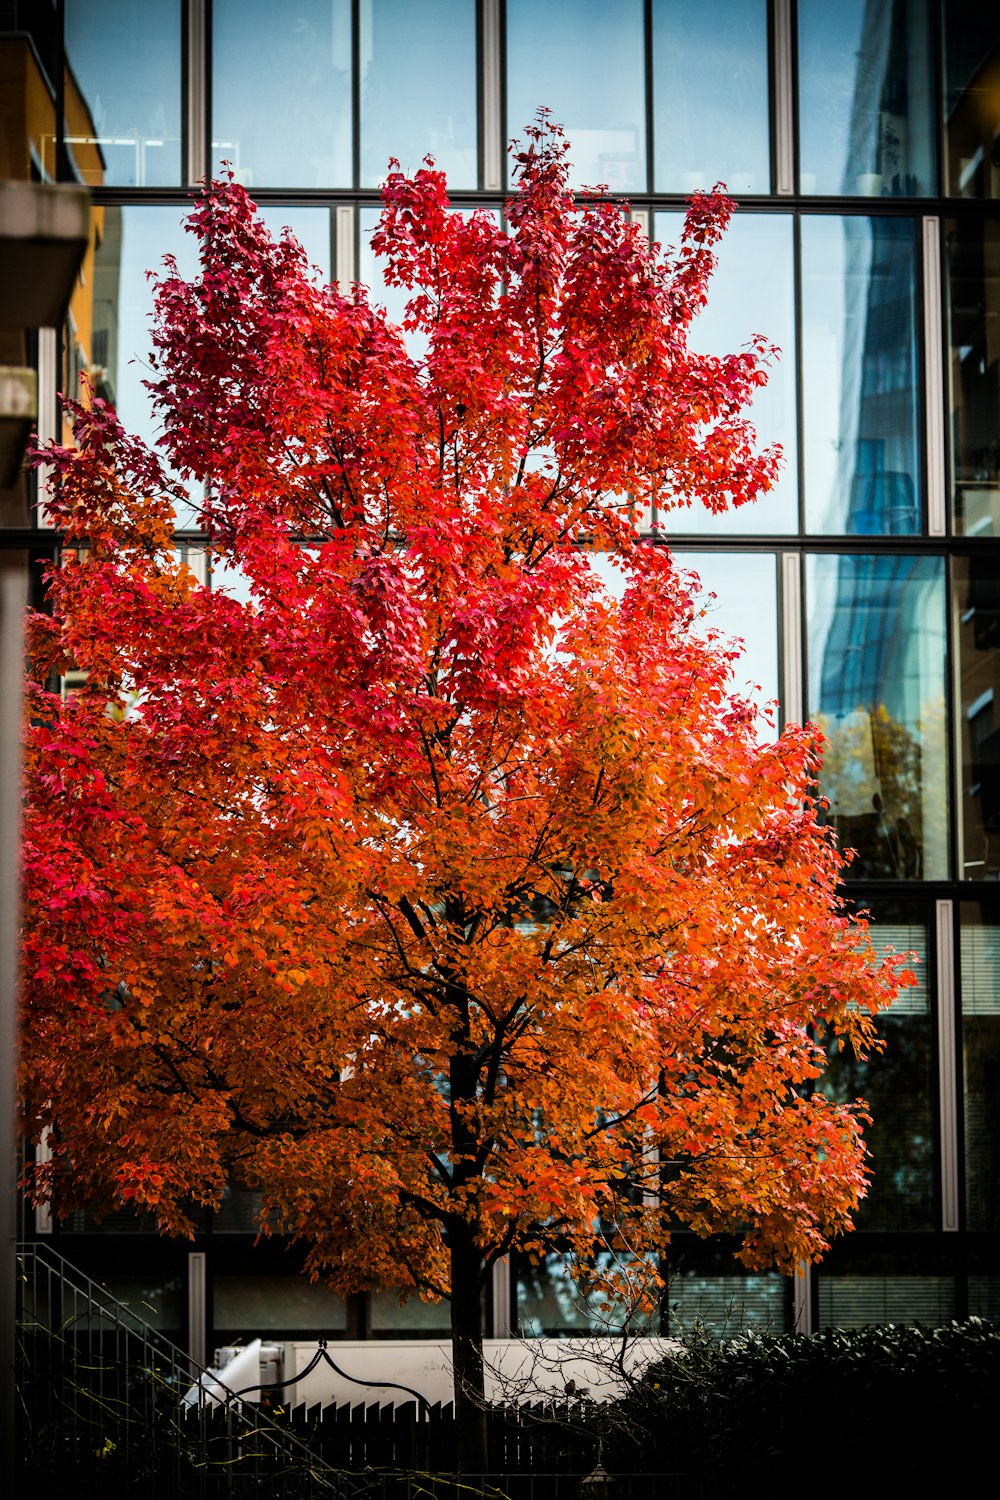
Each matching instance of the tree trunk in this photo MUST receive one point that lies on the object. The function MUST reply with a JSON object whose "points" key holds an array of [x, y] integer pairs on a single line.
{"points": [[467, 1352]]}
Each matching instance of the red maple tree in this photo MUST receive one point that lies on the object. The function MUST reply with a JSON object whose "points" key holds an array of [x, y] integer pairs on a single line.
{"points": [[454, 905]]}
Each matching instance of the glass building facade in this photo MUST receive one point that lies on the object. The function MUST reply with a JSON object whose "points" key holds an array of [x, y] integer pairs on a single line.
{"points": [[862, 142]]}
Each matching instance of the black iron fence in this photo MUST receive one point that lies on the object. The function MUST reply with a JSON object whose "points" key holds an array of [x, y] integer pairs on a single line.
{"points": [[101, 1410]]}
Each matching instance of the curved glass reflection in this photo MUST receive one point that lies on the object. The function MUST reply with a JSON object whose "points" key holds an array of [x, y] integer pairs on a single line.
{"points": [[860, 376], [866, 98], [876, 635]]}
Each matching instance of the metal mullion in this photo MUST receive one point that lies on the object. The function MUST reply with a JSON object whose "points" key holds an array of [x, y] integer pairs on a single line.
{"points": [[783, 97], [791, 639], [649, 82], [490, 97], [196, 1308], [346, 245], [196, 21], [947, 1065], [797, 345]]}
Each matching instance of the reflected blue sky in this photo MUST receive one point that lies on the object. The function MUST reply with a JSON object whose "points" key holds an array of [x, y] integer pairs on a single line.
{"points": [[281, 92], [583, 60], [126, 57], [860, 376], [710, 96], [418, 88], [752, 291]]}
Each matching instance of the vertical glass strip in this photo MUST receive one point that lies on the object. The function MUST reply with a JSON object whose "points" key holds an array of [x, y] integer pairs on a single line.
{"points": [[418, 88], [866, 98], [123, 92], [583, 60], [973, 251], [281, 92], [971, 85]]}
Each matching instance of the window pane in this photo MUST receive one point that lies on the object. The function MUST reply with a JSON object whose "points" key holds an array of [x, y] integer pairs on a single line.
{"points": [[971, 86], [249, 1307], [418, 88], [860, 376], [551, 1303], [856, 1301], [973, 254], [708, 1288], [899, 1087], [583, 60], [411, 1320], [281, 92], [980, 965], [710, 96], [133, 241], [976, 629], [876, 632], [745, 606], [866, 94], [752, 291], [123, 91]]}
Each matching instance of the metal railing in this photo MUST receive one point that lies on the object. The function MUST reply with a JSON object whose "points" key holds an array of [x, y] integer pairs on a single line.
{"points": [[100, 1406]]}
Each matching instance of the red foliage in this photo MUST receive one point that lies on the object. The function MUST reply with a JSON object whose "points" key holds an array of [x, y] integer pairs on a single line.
{"points": [[451, 904]]}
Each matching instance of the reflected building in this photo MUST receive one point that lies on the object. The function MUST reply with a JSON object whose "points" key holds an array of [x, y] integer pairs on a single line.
{"points": [[862, 141]]}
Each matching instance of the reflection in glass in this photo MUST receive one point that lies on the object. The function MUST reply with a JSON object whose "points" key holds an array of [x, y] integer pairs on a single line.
{"points": [[976, 628], [133, 241], [708, 1288], [866, 98], [310, 226], [876, 689], [418, 88], [752, 291], [745, 605], [411, 1320], [245, 1307], [972, 99], [973, 255], [857, 1301], [898, 1085], [980, 967], [281, 92], [710, 96], [551, 1303], [583, 60], [123, 128], [860, 376]]}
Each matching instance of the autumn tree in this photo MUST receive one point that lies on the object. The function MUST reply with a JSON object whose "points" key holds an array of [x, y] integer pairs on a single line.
{"points": [[453, 904]]}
